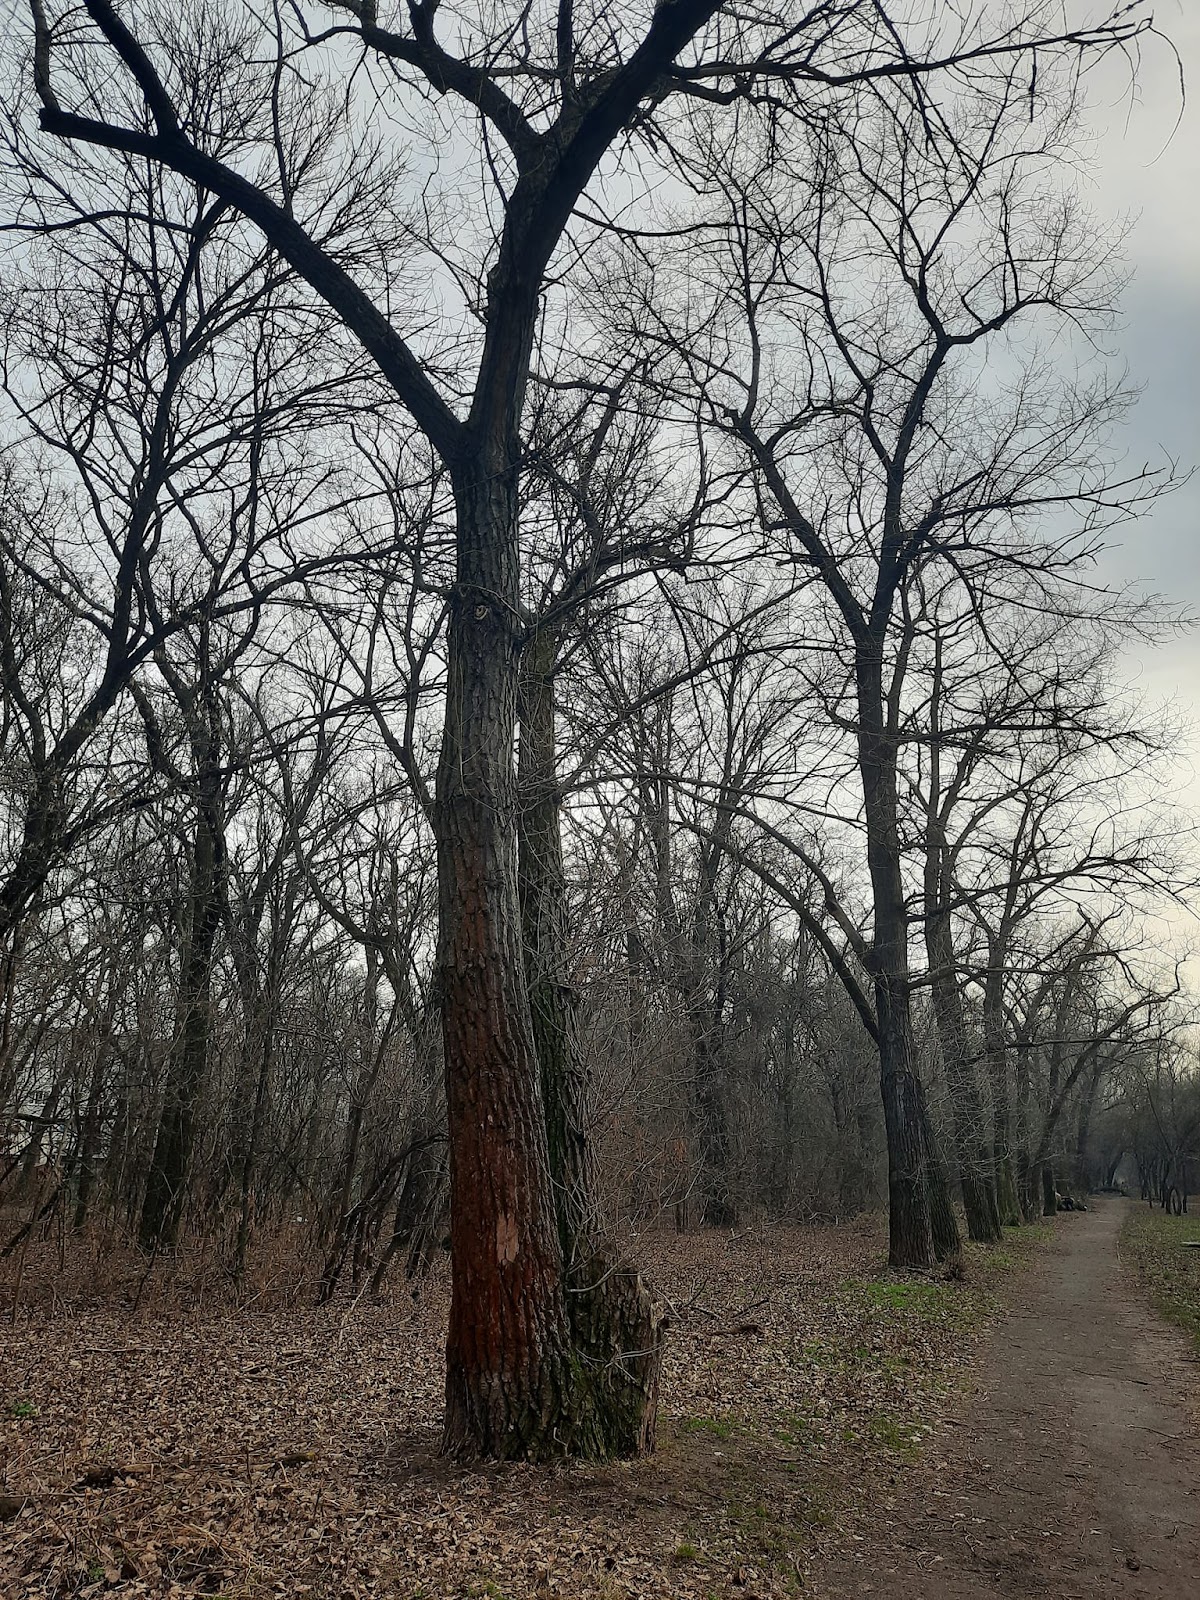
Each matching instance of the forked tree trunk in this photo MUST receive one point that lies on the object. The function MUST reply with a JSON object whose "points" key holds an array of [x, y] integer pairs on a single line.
{"points": [[615, 1331]]}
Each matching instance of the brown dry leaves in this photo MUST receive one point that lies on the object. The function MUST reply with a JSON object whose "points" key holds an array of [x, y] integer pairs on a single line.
{"points": [[288, 1451]]}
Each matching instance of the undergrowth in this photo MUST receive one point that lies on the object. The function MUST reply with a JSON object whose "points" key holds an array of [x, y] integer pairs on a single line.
{"points": [[1160, 1247]]}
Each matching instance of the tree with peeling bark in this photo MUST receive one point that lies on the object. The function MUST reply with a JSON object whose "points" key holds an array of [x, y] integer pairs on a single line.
{"points": [[551, 97]]}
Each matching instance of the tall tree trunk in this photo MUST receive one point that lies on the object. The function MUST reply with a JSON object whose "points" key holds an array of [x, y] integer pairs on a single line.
{"points": [[89, 1144], [544, 932], [170, 1167], [514, 1383], [260, 1039], [996, 1048], [970, 1135], [947, 1241], [910, 1232], [614, 1329], [1083, 1175]]}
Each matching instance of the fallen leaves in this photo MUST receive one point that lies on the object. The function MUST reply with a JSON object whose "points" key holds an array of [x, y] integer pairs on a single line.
{"points": [[217, 1450]]}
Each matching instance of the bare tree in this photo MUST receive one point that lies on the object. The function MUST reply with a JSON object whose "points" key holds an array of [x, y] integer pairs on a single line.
{"points": [[873, 259], [548, 99]]}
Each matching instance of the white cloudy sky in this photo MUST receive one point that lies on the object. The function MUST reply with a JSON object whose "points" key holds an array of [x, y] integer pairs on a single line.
{"points": [[1148, 165]]}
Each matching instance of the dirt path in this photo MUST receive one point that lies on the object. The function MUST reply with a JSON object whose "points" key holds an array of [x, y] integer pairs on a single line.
{"points": [[1074, 1475]]}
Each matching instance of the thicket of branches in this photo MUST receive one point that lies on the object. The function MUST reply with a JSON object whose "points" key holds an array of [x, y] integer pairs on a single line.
{"points": [[553, 676]]}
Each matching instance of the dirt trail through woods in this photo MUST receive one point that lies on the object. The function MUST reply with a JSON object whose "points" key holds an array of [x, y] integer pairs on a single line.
{"points": [[1074, 1475]]}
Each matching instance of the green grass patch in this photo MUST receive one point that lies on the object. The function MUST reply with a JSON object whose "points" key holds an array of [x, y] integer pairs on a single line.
{"points": [[899, 1437], [720, 1427], [1158, 1244], [925, 1299]]}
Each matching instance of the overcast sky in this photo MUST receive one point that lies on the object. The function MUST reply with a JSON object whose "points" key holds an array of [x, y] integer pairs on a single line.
{"points": [[1149, 168]]}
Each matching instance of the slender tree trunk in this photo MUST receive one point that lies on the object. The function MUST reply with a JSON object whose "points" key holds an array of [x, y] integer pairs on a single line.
{"points": [[947, 1241], [1083, 1174], [614, 1329], [970, 1137], [909, 1224], [10, 959], [170, 1167], [262, 1035], [996, 1047], [544, 931], [90, 1137]]}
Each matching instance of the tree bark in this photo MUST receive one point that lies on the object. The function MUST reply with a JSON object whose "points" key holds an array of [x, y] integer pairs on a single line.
{"points": [[170, 1167], [970, 1139], [614, 1328], [910, 1232], [947, 1241], [996, 1048], [515, 1386]]}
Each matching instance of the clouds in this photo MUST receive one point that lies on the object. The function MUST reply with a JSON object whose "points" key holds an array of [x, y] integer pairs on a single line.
{"points": [[1147, 166]]}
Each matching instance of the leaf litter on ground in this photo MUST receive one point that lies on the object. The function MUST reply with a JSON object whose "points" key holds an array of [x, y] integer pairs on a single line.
{"points": [[172, 1443]]}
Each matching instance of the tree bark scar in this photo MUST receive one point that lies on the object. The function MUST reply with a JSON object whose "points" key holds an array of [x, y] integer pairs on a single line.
{"points": [[507, 1239]]}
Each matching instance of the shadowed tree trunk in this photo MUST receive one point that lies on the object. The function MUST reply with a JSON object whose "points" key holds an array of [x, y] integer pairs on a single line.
{"points": [[996, 1049], [974, 1157], [614, 1329], [909, 1225], [170, 1167], [947, 1241]]}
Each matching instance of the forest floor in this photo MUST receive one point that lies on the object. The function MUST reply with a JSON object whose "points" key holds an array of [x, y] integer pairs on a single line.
{"points": [[156, 1438]]}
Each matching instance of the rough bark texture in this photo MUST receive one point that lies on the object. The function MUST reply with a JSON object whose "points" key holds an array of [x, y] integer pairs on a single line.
{"points": [[170, 1169], [947, 1241], [910, 1227], [544, 928], [970, 1137], [615, 1331], [512, 1384]]}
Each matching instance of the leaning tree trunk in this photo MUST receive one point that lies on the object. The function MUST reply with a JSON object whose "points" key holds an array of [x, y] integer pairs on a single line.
{"points": [[614, 1328]]}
